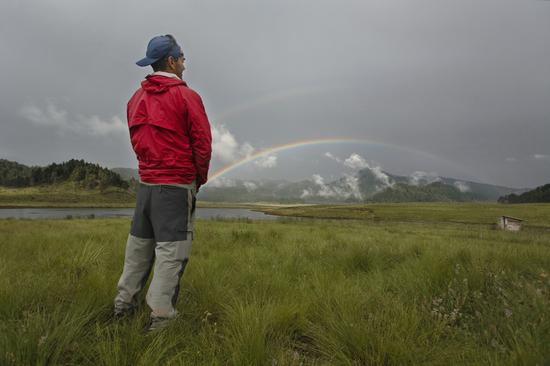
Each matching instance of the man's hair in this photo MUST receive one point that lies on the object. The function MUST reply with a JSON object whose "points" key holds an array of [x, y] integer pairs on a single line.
{"points": [[162, 64]]}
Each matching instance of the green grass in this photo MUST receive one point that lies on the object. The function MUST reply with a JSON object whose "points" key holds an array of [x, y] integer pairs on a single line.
{"points": [[65, 195], [534, 214], [306, 292], [71, 195]]}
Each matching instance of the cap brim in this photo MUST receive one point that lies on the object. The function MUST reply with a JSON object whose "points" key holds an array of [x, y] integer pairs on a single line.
{"points": [[146, 61]]}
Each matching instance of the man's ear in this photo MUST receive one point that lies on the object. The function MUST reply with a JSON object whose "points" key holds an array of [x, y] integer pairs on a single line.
{"points": [[171, 62]]}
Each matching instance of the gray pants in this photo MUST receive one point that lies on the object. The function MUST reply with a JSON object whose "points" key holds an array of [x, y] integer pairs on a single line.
{"points": [[161, 234]]}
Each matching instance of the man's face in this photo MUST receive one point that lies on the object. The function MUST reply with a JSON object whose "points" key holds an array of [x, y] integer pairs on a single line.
{"points": [[177, 65]]}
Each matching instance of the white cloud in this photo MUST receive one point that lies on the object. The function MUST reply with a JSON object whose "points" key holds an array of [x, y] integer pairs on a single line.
{"points": [[306, 193], [541, 156], [226, 148], [346, 188], [382, 177], [317, 179], [422, 178], [332, 157], [246, 149], [462, 186], [352, 183], [511, 160], [269, 161], [250, 186], [58, 118], [324, 190], [222, 182], [356, 161], [98, 126], [50, 116]]}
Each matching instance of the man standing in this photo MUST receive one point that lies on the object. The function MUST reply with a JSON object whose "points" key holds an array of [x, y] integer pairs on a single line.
{"points": [[171, 137]]}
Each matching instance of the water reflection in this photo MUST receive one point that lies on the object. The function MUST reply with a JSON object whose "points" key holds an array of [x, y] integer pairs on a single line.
{"points": [[62, 213]]}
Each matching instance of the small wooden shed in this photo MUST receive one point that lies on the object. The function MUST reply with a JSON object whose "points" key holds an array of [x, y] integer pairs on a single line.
{"points": [[509, 223]]}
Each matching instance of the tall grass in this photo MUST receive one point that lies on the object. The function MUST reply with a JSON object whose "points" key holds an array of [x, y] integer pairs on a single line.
{"points": [[534, 214], [67, 194], [283, 293]]}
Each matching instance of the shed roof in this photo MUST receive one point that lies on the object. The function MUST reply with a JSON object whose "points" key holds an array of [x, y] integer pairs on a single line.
{"points": [[513, 218]]}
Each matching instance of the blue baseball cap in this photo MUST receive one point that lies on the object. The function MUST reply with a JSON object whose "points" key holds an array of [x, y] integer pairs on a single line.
{"points": [[158, 48]]}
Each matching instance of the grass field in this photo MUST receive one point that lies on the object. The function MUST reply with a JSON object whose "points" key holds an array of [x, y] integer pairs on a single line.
{"points": [[69, 195], [535, 215], [287, 292], [65, 195]]}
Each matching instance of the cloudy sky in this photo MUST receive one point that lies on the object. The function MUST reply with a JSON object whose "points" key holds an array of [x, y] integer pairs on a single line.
{"points": [[458, 88]]}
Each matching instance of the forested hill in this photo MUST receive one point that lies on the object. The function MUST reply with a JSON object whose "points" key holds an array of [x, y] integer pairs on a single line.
{"points": [[434, 192], [539, 194], [87, 175]]}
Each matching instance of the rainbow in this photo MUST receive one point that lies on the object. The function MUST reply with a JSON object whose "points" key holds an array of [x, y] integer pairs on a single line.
{"points": [[310, 142]]}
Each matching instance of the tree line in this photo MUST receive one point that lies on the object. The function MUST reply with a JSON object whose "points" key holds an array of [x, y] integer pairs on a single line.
{"points": [[539, 194], [87, 175], [433, 192]]}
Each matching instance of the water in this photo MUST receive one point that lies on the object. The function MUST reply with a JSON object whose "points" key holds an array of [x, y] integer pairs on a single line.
{"points": [[62, 213]]}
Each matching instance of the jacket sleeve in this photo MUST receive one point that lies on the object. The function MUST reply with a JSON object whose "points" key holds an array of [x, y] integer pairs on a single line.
{"points": [[200, 136]]}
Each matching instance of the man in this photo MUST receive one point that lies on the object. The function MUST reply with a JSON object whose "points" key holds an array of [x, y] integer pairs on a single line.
{"points": [[170, 135]]}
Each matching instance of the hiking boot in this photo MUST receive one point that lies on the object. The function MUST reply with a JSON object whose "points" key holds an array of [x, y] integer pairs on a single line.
{"points": [[121, 313], [161, 322]]}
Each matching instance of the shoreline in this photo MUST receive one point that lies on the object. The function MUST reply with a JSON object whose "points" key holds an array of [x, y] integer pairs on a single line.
{"points": [[200, 204], [64, 206]]}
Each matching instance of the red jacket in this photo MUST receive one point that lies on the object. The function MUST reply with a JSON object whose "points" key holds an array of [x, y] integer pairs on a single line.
{"points": [[169, 131]]}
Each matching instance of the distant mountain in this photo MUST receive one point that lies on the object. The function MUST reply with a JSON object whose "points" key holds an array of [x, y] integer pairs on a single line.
{"points": [[366, 185], [84, 174], [373, 181], [539, 194], [431, 188], [255, 191], [433, 192], [482, 191]]}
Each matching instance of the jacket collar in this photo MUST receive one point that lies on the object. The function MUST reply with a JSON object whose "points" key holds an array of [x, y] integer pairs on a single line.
{"points": [[167, 74]]}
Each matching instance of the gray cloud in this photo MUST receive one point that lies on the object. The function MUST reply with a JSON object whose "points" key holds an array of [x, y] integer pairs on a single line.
{"points": [[422, 178], [268, 161], [250, 186], [59, 119], [222, 182], [465, 81], [462, 186], [332, 157]]}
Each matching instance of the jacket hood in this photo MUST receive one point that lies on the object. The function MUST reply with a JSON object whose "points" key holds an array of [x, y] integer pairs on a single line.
{"points": [[157, 84]]}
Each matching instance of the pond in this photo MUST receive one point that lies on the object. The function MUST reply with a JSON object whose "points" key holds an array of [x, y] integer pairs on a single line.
{"points": [[62, 213]]}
